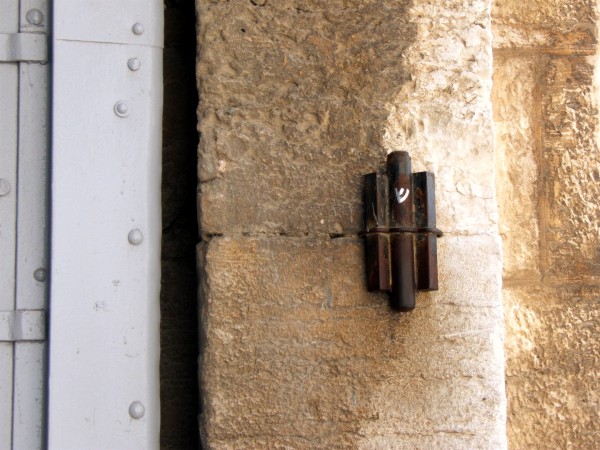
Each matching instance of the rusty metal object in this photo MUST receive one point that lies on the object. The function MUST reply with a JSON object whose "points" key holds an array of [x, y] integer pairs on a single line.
{"points": [[426, 242], [378, 244], [401, 222], [401, 233]]}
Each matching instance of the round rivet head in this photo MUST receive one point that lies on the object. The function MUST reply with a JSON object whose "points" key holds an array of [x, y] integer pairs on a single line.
{"points": [[135, 237], [4, 187], [137, 29], [34, 17], [134, 64], [40, 274], [137, 410], [121, 109]]}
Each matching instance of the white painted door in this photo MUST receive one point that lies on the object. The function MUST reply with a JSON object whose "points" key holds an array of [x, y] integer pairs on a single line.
{"points": [[105, 241], [104, 272], [23, 221]]}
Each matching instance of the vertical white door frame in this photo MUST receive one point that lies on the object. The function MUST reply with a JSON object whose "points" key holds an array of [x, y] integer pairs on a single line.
{"points": [[105, 224], [9, 95], [24, 155]]}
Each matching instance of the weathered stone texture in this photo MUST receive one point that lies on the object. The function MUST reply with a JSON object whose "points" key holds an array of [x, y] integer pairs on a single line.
{"points": [[514, 95], [297, 353], [443, 115], [293, 105], [553, 366], [548, 160], [550, 24], [571, 168], [299, 99]]}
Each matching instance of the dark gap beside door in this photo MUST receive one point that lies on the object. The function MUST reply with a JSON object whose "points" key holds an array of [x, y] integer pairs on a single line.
{"points": [[179, 330]]}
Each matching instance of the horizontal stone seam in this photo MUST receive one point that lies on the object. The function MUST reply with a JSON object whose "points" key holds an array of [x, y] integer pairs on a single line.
{"points": [[535, 51], [323, 235], [464, 307], [431, 433], [550, 282], [343, 320]]}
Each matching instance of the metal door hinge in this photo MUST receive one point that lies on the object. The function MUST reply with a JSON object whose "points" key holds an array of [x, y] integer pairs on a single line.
{"points": [[23, 47], [401, 231], [22, 325]]}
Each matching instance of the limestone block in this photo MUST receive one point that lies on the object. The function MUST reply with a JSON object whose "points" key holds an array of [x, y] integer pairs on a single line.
{"points": [[293, 106], [443, 114], [297, 353], [544, 23], [546, 115], [553, 366], [570, 169], [515, 119], [300, 99]]}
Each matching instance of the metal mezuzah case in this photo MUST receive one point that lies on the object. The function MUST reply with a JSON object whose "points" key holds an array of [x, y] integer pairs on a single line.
{"points": [[400, 230]]}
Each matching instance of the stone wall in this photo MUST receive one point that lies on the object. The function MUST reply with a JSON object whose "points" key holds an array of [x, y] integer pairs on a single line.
{"points": [[548, 165], [298, 100]]}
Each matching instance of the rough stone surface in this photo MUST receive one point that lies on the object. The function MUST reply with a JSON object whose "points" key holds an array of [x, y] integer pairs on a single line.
{"points": [[296, 352], [293, 105], [299, 99], [570, 168], [442, 115], [514, 95], [546, 117], [547, 24], [553, 366]]}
